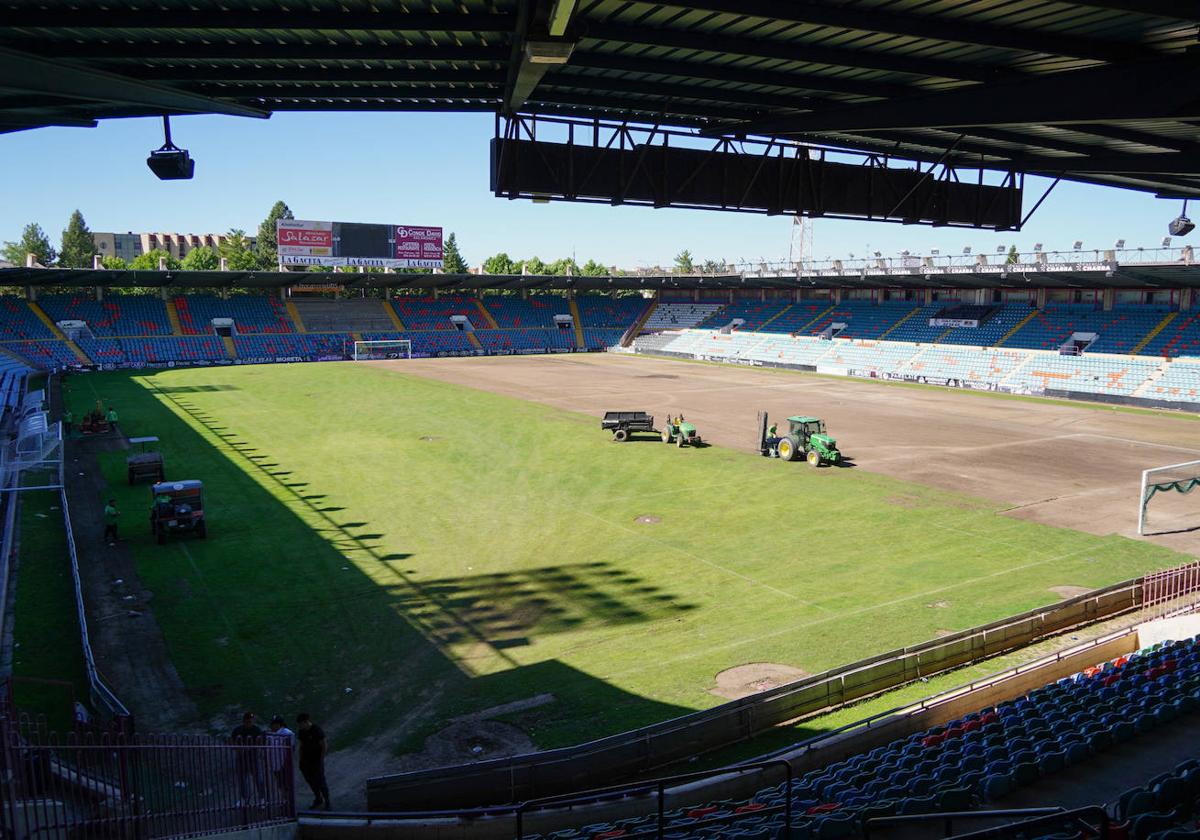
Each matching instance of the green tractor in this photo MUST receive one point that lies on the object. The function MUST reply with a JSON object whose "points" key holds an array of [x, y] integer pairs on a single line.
{"points": [[680, 432], [805, 437]]}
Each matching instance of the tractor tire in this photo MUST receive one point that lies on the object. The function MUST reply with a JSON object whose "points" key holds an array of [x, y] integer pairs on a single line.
{"points": [[621, 435], [162, 537], [814, 460], [666, 436], [202, 531], [681, 442], [786, 449]]}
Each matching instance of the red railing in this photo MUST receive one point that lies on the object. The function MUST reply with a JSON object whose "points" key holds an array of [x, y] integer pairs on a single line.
{"points": [[1171, 591]]}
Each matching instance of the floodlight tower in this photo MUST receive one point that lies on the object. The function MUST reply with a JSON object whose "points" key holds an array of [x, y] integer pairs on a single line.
{"points": [[800, 246]]}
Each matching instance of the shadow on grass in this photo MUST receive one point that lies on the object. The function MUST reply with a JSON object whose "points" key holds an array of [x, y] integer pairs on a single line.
{"points": [[287, 606]]}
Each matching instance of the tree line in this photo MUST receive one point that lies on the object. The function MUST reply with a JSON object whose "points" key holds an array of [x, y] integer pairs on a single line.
{"points": [[78, 249]]}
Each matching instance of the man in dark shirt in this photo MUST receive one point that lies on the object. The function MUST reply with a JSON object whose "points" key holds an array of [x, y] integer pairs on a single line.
{"points": [[246, 738], [312, 760]]}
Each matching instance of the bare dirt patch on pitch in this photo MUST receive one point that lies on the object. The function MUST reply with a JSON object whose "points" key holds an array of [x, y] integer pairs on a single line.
{"points": [[744, 680], [1068, 591], [1058, 463], [648, 520]]}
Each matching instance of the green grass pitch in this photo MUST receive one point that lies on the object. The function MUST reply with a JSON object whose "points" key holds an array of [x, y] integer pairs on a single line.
{"points": [[439, 550]]}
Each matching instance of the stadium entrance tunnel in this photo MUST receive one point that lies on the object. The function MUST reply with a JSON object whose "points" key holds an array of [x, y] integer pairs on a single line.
{"points": [[295, 602]]}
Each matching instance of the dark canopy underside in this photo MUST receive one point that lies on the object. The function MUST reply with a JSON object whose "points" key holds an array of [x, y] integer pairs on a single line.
{"points": [[1153, 276], [1104, 91]]}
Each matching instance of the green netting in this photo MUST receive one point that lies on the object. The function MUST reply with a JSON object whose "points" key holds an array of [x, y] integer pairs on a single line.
{"points": [[1186, 485]]}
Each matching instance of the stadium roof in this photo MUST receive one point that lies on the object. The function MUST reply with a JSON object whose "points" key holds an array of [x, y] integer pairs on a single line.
{"points": [[1083, 276], [1105, 91]]}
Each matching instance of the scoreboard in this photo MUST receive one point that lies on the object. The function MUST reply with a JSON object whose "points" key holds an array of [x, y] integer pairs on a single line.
{"points": [[306, 242]]}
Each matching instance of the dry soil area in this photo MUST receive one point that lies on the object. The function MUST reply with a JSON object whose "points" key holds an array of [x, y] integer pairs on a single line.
{"points": [[1059, 463]]}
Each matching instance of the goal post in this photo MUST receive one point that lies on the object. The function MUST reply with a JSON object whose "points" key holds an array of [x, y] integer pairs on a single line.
{"points": [[399, 348], [1173, 478]]}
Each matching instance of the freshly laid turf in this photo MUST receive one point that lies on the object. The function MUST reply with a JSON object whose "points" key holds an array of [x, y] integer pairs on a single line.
{"points": [[390, 552]]}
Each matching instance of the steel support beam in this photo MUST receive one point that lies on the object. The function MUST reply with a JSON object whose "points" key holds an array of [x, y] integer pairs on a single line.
{"points": [[1167, 89], [213, 78], [256, 53], [929, 27], [797, 51], [594, 82], [269, 20], [726, 72], [41, 76]]}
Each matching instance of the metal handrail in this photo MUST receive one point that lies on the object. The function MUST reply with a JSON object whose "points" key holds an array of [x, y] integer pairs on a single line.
{"points": [[659, 787], [950, 816], [1077, 815], [101, 693]]}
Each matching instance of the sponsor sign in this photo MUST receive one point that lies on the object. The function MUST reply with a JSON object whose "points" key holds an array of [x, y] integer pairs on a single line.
{"points": [[305, 242], [971, 323]]}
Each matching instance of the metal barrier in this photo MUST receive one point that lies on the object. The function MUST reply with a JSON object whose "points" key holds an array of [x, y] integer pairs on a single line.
{"points": [[113, 786], [1170, 591], [659, 788], [948, 817], [639, 751], [101, 695]]}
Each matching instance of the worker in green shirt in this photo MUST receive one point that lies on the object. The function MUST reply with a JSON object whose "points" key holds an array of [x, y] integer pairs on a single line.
{"points": [[112, 418], [68, 420], [163, 505], [111, 515]]}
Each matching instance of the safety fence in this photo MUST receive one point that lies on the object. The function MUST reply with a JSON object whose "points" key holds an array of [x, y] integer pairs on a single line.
{"points": [[102, 697], [85, 785], [639, 751], [1171, 591]]}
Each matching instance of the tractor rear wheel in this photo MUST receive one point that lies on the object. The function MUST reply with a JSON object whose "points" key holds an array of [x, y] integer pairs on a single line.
{"points": [[202, 531], [814, 460], [621, 435], [681, 441], [786, 449], [666, 436]]}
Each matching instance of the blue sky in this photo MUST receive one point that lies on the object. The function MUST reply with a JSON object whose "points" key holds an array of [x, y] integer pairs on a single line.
{"points": [[432, 169]]}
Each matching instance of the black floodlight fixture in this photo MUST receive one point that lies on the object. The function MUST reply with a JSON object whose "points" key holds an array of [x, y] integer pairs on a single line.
{"points": [[1078, 244], [1181, 225], [170, 163], [1166, 243], [1120, 244]]}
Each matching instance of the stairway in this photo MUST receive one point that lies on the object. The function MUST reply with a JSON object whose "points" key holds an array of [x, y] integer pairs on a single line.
{"points": [[804, 330], [1157, 374], [636, 330], [1162, 325], [53, 327], [764, 324], [487, 316], [395, 319], [896, 325], [1032, 314], [579, 342], [295, 315], [471, 337], [1024, 363], [230, 347], [173, 317]]}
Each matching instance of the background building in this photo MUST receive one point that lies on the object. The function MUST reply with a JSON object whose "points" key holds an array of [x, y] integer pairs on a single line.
{"points": [[129, 245]]}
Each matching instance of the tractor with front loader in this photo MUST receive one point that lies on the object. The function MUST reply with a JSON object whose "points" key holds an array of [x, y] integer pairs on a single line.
{"points": [[805, 437]]}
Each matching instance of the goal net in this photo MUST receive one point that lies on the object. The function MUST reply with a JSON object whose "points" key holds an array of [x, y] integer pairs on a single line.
{"points": [[400, 348], [1167, 500]]}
